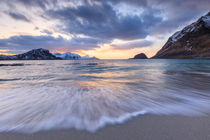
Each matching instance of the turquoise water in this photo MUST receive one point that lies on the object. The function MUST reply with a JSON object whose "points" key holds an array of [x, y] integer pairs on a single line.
{"points": [[87, 95]]}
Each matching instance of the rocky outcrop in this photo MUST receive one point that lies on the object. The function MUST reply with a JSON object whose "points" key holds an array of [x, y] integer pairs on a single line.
{"points": [[36, 54], [140, 56], [191, 42]]}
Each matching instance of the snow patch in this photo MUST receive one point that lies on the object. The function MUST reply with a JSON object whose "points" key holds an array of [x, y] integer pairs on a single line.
{"points": [[177, 36], [206, 19]]}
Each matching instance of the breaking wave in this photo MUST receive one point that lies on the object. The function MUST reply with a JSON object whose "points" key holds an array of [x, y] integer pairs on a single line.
{"points": [[31, 110]]}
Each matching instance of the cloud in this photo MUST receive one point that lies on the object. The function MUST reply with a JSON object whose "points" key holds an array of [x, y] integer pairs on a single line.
{"points": [[24, 43], [47, 32], [18, 16], [102, 21], [133, 44], [36, 28], [37, 3]]}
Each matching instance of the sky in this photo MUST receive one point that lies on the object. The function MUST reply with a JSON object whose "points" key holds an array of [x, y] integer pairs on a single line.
{"points": [[107, 29]]}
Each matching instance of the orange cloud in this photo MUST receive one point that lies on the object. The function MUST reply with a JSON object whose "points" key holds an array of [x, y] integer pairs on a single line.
{"points": [[4, 52]]}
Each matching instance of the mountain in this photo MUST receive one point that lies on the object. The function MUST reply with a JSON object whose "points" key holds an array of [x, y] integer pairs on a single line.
{"points": [[73, 56], [67, 56], [42, 54], [191, 42], [140, 56], [88, 58], [36, 54], [5, 57]]}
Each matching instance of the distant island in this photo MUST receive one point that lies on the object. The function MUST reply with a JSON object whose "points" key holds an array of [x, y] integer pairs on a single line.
{"points": [[43, 54], [140, 56]]}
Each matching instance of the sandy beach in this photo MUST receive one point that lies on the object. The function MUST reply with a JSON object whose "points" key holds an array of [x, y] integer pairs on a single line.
{"points": [[146, 127]]}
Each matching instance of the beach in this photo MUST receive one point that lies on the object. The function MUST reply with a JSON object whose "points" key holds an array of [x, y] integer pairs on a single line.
{"points": [[146, 127]]}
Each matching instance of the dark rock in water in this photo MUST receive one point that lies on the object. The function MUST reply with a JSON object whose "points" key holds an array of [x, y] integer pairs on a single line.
{"points": [[92, 64], [140, 56], [36, 54], [73, 64], [16, 64], [191, 42]]}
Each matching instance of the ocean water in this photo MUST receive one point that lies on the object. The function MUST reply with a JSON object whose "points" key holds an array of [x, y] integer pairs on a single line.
{"points": [[88, 95]]}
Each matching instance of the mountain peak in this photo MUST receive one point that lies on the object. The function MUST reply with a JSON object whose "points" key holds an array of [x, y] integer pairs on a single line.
{"points": [[40, 50], [206, 19], [36, 54], [191, 42]]}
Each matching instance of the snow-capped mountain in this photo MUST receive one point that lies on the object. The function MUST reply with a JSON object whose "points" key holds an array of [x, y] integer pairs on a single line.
{"points": [[68, 56], [88, 58], [191, 42], [73, 56]]}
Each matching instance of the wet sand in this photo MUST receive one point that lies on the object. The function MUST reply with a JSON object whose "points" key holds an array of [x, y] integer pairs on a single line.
{"points": [[146, 127]]}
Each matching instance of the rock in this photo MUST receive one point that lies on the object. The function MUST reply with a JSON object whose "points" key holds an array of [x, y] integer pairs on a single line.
{"points": [[92, 64], [15, 64], [140, 56], [191, 42]]}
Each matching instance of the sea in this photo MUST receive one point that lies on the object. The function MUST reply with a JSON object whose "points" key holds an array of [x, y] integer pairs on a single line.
{"points": [[91, 94]]}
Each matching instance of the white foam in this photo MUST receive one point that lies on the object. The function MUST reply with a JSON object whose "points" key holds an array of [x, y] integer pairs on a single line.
{"points": [[30, 110]]}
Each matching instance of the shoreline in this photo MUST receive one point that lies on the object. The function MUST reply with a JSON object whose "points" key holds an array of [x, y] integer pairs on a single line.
{"points": [[144, 127]]}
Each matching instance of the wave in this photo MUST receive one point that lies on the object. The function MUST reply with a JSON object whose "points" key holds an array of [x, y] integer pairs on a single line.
{"points": [[30, 110]]}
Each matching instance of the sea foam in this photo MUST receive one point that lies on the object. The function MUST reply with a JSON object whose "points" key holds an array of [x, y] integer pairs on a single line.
{"points": [[87, 108]]}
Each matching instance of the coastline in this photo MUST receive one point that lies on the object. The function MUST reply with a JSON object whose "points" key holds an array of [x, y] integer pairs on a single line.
{"points": [[144, 127]]}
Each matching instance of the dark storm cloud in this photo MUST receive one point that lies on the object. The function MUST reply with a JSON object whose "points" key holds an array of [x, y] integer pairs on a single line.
{"points": [[18, 16], [102, 21], [89, 18], [142, 3], [48, 42], [179, 13]]}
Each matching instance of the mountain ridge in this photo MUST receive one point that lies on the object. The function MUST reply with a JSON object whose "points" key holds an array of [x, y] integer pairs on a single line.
{"points": [[43, 54], [193, 41]]}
